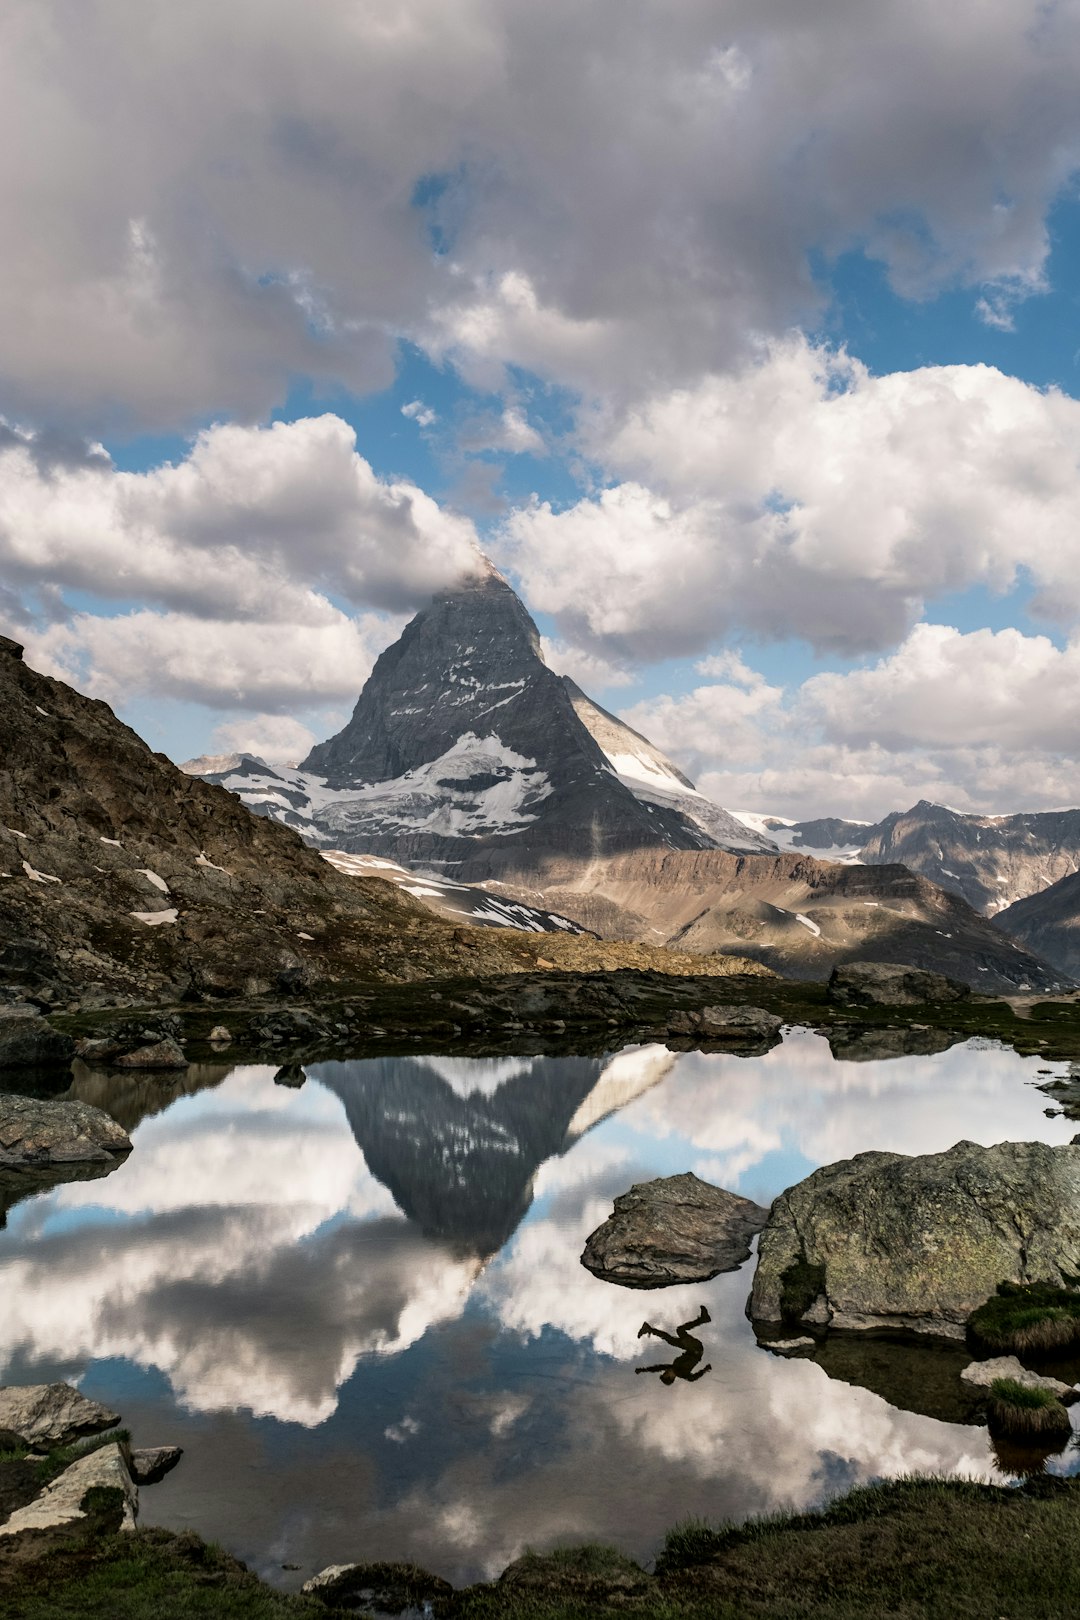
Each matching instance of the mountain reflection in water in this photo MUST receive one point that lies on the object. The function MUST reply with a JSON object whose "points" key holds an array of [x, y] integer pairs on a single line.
{"points": [[359, 1307]]}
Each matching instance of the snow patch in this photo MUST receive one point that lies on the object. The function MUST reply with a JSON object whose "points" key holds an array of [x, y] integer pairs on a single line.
{"points": [[201, 860], [16, 834], [807, 922], [153, 919], [115, 842], [153, 877], [39, 877]]}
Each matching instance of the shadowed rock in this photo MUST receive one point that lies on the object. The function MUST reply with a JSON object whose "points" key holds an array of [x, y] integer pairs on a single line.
{"points": [[28, 1042], [890, 984], [60, 1503], [151, 1463], [677, 1229], [883, 1240], [35, 1133], [377, 1588]]}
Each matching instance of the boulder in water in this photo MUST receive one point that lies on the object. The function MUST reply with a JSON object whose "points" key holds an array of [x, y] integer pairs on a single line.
{"points": [[677, 1229], [886, 1241]]}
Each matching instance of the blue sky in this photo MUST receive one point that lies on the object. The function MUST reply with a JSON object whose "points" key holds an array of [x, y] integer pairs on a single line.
{"points": [[747, 342]]}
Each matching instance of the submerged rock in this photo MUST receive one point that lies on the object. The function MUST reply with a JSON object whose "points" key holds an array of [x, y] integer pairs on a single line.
{"points": [[677, 1229], [377, 1588], [61, 1500], [51, 1414], [883, 1240], [35, 1133], [890, 984], [27, 1041], [981, 1374]]}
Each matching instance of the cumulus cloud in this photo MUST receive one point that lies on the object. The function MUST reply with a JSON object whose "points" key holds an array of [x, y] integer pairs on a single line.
{"points": [[983, 720], [274, 737], [802, 496], [212, 204], [253, 520], [263, 664]]}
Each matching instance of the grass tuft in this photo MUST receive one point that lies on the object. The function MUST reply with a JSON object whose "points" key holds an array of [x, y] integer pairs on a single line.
{"points": [[1034, 1319], [1019, 1412]]}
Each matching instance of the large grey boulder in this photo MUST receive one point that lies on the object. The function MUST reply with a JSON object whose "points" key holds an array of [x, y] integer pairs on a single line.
{"points": [[981, 1374], [61, 1501], [28, 1042], [677, 1229], [35, 1133], [890, 984], [151, 1463], [883, 1240], [47, 1415]]}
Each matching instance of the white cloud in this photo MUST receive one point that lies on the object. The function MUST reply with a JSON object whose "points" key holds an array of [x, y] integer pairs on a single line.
{"points": [[266, 665], [587, 669], [802, 496], [199, 210], [274, 737], [418, 412]]}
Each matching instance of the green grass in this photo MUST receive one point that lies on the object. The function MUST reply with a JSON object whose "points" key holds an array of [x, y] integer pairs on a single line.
{"points": [[915, 1549], [1033, 1319]]}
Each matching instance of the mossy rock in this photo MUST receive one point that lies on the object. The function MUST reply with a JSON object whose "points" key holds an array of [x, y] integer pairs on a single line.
{"points": [[1033, 1319], [591, 1573]]}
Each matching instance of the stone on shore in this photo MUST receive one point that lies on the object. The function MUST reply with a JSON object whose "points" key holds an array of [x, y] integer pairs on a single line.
{"points": [[60, 1502], [677, 1229], [48, 1415], [165, 1054], [886, 1241], [35, 1133], [890, 984], [151, 1463], [27, 1041], [724, 1023]]}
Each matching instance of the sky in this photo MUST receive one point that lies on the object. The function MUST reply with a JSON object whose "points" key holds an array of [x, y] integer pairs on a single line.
{"points": [[742, 335]]}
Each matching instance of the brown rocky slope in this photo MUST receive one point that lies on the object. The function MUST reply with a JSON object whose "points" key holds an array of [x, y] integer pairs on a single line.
{"points": [[798, 915], [123, 879]]}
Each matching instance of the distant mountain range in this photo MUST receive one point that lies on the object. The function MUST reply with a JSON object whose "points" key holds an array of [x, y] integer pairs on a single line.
{"points": [[993, 861], [468, 761]]}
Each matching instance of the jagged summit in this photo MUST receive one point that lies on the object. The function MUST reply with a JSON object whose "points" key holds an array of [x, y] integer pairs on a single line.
{"points": [[465, 752]]}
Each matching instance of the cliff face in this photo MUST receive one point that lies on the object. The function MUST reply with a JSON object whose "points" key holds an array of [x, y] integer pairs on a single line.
{"points": [[1049, 923], [798, 915]]}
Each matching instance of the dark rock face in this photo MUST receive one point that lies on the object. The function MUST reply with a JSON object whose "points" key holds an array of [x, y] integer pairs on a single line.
{"points": [[150, 1464], [27, 1041], [677, 1229], [1049, 923], [890, 984], [483, 758], [886, 1241]]}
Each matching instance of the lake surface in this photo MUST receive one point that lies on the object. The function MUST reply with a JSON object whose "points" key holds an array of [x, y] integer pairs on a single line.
{"points": [[359, 1308]]}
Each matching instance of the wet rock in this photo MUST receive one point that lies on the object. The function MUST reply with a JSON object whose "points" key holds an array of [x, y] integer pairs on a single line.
{"points": [[51, 1414], [164, 1054], [97, 1049], [981, 1374], [35, 1133], [917, 1243], [151, 1463], [786, 1347], [61, 1500], [377, 1588], [27, 1041], [737, 1023], [677, 1229], [890, 984]]}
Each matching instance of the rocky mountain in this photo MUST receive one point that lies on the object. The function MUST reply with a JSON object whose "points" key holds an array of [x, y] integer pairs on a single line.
{"points": [[992, 861], [124, 879], [1049, 923], [467, 755], [798, 915]]}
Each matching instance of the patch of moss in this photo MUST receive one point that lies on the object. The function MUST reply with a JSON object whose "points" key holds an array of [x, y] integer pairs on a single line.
{"points": [[800, 1284], [1026, 1319]]}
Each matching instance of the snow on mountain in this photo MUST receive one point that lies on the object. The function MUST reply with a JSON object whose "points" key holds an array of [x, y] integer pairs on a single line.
{"points": [[828, 839], [471, 904]]}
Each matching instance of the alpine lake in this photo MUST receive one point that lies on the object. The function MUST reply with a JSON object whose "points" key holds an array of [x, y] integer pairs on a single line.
{"points": [[353, 1295]]}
